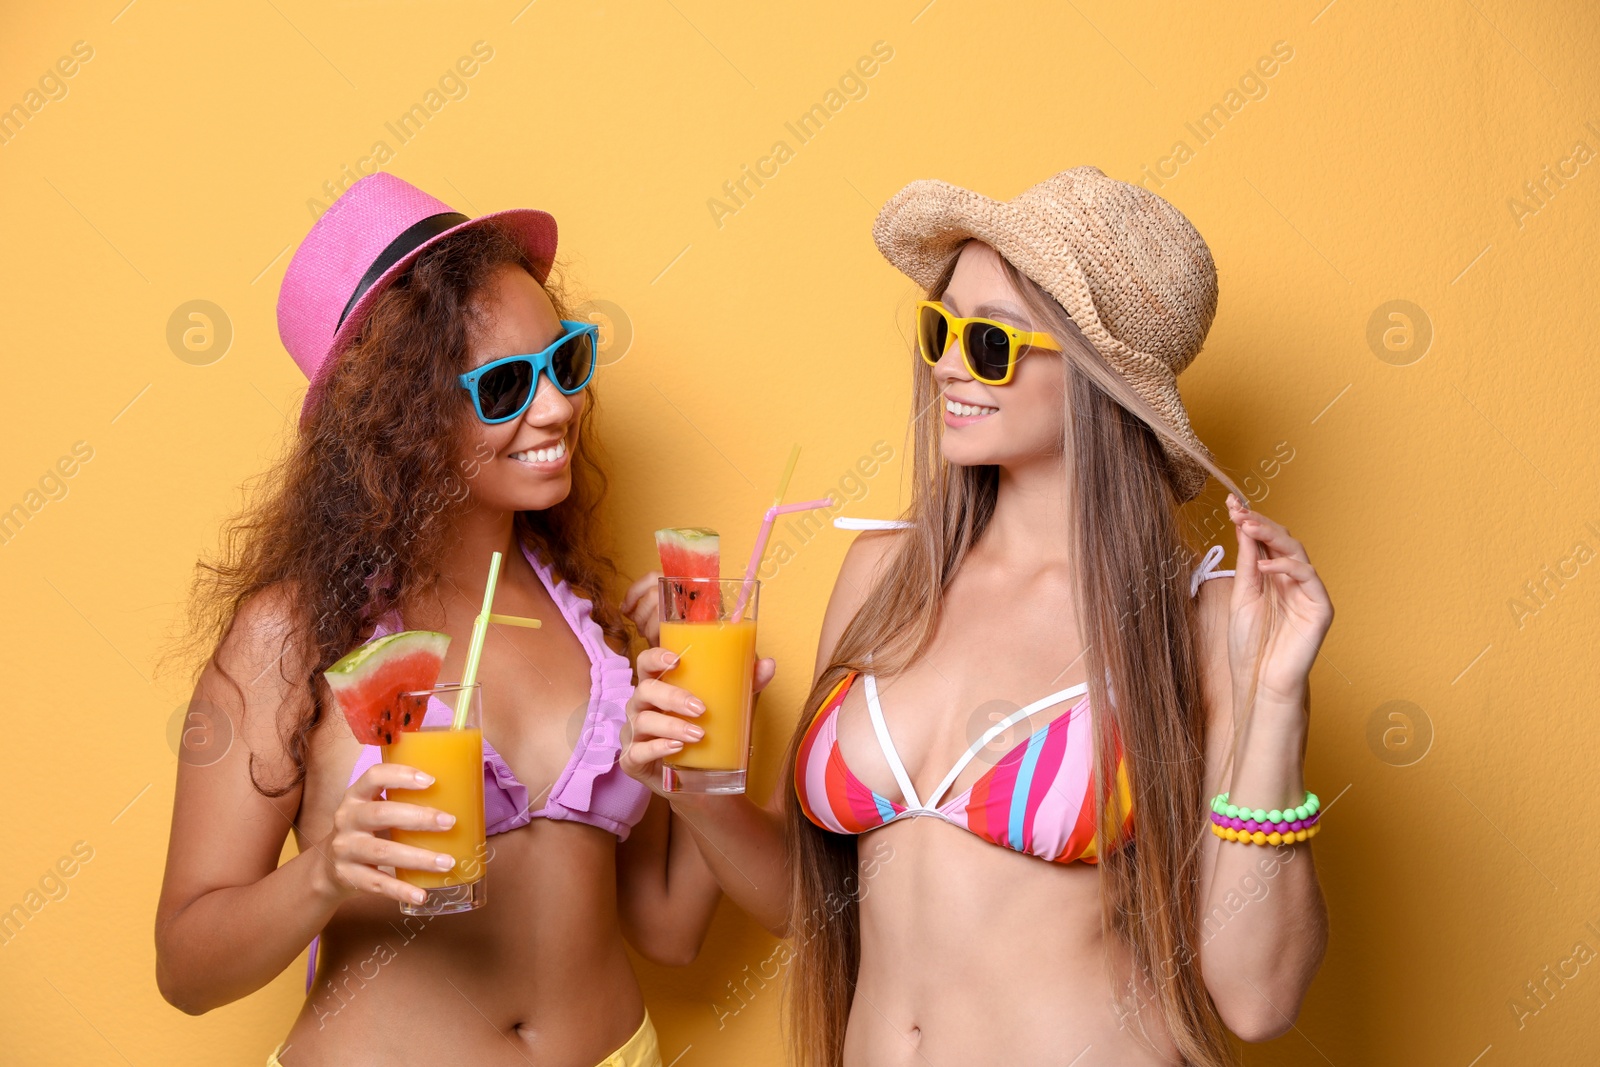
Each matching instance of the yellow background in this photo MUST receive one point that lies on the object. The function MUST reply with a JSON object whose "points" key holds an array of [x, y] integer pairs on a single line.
{"points": [[1379, 165]]}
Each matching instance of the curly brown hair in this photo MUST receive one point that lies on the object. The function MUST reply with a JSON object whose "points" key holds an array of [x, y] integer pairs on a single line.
{"points": [[351, 524]]}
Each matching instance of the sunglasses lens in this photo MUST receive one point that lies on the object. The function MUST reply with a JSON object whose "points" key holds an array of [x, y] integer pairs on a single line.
{"points": [[503, 390], [933, 332], [989, 349], [572, 363]]}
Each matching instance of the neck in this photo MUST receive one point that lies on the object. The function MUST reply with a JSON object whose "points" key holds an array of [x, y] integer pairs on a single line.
{"points": [[479, 532], [1032, 514]]}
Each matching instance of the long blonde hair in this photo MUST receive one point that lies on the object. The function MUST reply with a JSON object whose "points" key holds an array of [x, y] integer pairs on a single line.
{"points": [[1139, 626]]}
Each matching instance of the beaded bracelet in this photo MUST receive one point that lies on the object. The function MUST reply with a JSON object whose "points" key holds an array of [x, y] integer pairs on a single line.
{"points": [[1282, 826], [1245, 837], [1270, 827]]}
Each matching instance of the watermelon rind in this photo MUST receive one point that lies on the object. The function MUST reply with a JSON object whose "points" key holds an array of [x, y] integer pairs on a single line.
{"points": [[407, 642], [689, 552], [374, 685]]}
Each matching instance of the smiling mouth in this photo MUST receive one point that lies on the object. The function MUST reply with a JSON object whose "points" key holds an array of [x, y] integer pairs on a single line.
{"points": [[960, 410], [553, 454]]}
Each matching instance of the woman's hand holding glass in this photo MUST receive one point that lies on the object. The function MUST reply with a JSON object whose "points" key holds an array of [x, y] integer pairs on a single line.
{"points": [[355, 850], [660, 715]]}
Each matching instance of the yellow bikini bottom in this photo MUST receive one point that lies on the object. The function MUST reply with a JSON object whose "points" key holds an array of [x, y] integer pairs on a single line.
{"points": [[640, 1050]]}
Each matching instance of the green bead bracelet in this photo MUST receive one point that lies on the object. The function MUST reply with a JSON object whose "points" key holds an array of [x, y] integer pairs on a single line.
{"points": [[1303, 810]]}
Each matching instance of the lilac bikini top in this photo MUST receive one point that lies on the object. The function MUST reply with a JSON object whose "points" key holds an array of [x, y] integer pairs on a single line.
{"points": [[593, 788]]}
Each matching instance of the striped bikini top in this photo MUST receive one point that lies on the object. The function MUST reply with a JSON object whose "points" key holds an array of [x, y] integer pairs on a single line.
{"points": [[1036, 799]]}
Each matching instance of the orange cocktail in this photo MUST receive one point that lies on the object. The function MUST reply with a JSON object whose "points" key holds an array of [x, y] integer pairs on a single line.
{"points": [[717, 664], [455, 760]]}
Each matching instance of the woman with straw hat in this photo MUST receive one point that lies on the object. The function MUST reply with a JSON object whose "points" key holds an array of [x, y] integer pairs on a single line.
{"points": [[976, 864], [449, 417]]}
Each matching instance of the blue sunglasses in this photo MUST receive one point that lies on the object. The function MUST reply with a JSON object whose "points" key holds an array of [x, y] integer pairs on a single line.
{"points": [[502, 390]]}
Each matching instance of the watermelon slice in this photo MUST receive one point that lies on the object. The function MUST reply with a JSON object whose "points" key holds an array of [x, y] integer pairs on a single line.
{"points": [[692, 552], [371, 683]]}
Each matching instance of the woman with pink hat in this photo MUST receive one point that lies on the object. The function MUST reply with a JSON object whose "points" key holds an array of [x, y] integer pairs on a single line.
{"points": [[449, 416], [1013, 824]]}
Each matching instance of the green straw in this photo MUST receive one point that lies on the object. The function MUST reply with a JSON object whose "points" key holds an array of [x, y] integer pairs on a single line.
{"points": [[480, 628]]}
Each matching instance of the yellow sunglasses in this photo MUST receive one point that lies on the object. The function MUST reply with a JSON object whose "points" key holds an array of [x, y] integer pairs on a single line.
{"points": [[989, 349]]}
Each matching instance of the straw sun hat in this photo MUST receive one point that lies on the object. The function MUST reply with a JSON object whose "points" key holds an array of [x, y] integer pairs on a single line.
{"points": [[1131, 270]]}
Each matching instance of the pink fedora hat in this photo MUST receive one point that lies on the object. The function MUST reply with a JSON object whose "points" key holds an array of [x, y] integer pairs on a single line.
{"points": [[358, 247]]}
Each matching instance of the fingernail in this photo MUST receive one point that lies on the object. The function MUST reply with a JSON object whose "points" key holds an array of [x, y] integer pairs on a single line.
{"points": [[424, 779], [696, 705], [446, 820], [671, 659], [443, 862], [696, 733], [418, 896], [674, 745]]}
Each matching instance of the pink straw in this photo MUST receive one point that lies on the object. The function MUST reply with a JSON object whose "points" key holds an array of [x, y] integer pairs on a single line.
{"points": [[761, 545]]}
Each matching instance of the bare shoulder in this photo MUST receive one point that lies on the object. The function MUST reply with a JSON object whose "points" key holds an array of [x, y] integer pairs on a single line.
{"points": [[866, 557], [262, 629], [864, 563], [258, 676]]}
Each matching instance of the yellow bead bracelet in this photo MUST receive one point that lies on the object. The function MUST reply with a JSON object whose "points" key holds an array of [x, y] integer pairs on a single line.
{"points": [[1258, 837]]}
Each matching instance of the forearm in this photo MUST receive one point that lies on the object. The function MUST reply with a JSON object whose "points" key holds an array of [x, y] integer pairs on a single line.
{"points": [[228, 943], [742, 845], [670, 926], [1264, 922]]}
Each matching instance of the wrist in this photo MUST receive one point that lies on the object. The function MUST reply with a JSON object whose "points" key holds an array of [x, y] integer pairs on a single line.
{"points": [[1273, 705], [1272, 735], [327, 887], [1294, 698]]}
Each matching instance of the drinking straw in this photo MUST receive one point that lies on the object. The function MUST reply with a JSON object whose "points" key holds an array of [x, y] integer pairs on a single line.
{"points": [[788, 472], [766, 529], [480, 628], [761, 545], [778, 508], [516, 620]]}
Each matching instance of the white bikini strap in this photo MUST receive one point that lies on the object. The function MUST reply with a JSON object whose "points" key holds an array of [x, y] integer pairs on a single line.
{"points": [[1207, 569], [881, 728], [846, 523], [999, 728]]}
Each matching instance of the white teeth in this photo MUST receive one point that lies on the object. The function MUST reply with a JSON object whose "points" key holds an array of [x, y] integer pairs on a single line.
{"points": [[959, 409], [541, 455]]}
